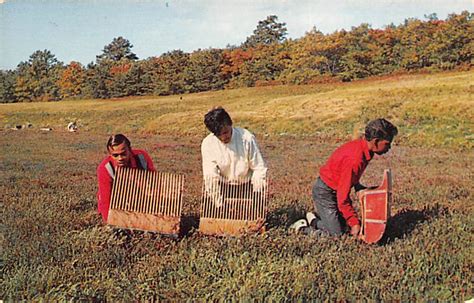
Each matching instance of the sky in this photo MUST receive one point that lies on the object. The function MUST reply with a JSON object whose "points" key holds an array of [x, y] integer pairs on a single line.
{"points": [[78, 30]]}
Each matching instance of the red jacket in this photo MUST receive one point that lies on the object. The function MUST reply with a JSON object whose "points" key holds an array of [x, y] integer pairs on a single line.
{"points": [[343, 170], [105, 181]]}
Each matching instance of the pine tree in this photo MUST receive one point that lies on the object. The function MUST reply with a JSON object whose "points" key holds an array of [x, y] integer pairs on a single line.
{"points": [[119, 49], [7, 87], [203, 72], [268, 31]]}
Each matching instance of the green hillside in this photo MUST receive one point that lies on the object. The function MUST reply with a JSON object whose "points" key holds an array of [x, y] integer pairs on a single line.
{"points": [[430, 109]]}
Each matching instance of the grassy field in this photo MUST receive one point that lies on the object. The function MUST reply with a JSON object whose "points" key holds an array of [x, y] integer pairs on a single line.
{"points": [[54, 247]]}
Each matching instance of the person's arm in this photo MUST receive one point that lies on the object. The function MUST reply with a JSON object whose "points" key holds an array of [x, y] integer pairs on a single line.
{"points": [[211, 173], [104, 191], [257, 165], [344, 202], [209, 161]]}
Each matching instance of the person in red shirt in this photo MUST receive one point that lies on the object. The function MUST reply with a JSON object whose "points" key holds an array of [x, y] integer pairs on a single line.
{"points": [[121, 154], [342, 172]]}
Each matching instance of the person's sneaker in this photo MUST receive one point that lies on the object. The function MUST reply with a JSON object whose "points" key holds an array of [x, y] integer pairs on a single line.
{"points": [[312, 219], [298, 225]]}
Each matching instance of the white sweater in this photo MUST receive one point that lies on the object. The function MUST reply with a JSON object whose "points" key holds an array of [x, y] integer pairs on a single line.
{"points": [[237, 160]]}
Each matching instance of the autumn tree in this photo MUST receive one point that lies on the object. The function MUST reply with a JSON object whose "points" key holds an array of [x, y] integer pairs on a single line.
{"points": [[357, 61], [266, 64], [415, 38], [306, 62], [167, 73], [37, 78], [455, 40], [385, 58], [233, 62], [315, 55], [72, 80]]}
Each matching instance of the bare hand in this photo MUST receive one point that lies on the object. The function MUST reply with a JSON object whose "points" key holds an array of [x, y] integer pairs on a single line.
{"points": [[355, 230], [218, 200]]}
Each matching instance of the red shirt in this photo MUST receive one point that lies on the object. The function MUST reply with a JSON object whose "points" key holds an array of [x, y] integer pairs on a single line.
{"points": [[342, 171], [105, 181]]}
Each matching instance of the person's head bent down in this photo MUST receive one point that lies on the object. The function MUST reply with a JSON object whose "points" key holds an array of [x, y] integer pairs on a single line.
{"points": [[120, 150], [219, 123], [379, 134]]}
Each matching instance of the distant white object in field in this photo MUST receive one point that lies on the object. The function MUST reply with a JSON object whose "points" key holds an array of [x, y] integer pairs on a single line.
{"points": [[22, 126], [72, 127], [46, 129]]}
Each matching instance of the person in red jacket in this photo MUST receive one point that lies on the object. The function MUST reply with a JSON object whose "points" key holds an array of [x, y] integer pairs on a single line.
{"points": [[341, 173], [121, 154]]}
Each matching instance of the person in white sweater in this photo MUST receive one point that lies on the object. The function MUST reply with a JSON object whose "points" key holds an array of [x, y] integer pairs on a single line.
{"points": [[230, 154]]}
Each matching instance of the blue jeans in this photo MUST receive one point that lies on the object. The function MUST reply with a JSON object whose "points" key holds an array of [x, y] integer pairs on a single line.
{"points": [[325, 203]]}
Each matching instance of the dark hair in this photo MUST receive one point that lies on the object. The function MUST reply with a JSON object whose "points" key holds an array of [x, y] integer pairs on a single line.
{"points": [[216, 119], [380, 129], [118, 139]]}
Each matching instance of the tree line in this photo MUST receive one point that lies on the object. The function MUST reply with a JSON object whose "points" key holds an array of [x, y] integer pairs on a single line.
{"points": [[267, 57]]}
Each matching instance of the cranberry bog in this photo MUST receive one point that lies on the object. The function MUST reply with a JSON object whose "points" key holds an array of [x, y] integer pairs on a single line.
{"points": [[54, 246]]}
